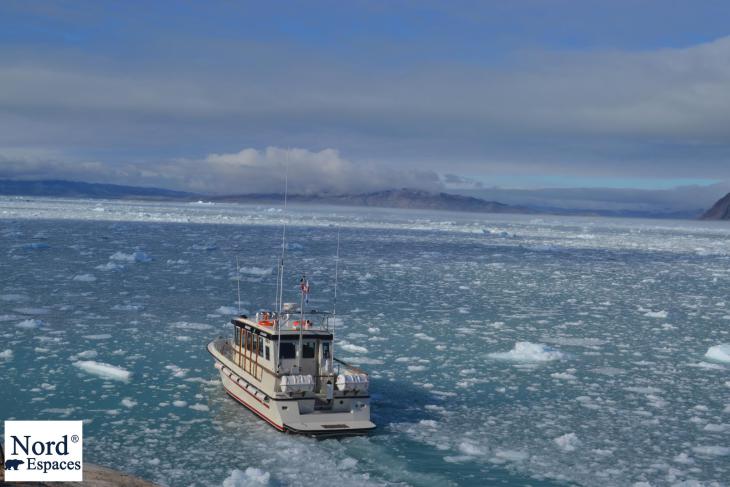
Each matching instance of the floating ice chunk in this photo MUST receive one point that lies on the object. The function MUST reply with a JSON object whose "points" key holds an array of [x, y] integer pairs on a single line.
{"points": [[347, 463], [184, 325], [176, 371], [719, 353], [100, 336], [109, 266], [179, 404], [711, 450], [30, 324], [137, 256], [563, 376], [255, 271], [105, 371], [353, 348], [511, 455], [469, 448], [127, 307], [416, 368], [529, 352], [252, 476], [200, 407], [87, 354], [6, 355], [567, 442], [128, 403], [227, 310], [206, 246], [684, 459], [656, 314], [423, 336], [31, 311], [84, 278]]}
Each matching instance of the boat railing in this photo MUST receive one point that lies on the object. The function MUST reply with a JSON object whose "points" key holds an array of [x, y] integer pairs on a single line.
{"points": [[341, 367]]}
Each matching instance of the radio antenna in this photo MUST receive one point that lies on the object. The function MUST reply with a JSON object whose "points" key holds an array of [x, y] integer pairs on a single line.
{"points": [[238, 285]]}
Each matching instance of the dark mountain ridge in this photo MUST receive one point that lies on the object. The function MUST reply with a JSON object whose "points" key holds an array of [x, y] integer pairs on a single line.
{"points": [[720, 210]]}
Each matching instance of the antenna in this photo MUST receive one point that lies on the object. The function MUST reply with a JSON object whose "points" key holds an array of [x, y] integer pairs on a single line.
{"points": [[238, 285], [280, 284], [334, 303], [280, 273]]}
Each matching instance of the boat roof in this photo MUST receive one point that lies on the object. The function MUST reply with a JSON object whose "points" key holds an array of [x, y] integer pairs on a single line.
{"points": [[287, 328]]}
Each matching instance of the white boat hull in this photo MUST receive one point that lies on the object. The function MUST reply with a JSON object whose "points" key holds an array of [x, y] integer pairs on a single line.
{"points": [[348, 415]]}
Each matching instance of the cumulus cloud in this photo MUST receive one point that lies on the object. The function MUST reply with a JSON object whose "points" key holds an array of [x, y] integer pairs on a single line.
{"points": [[245, 172], [652, 113]]}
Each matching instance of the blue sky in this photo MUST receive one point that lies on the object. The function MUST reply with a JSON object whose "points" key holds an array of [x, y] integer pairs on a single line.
{"points": [[525, 94]]}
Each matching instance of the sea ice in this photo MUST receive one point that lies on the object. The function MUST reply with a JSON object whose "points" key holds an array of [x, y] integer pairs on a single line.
{"points": [[128, 403], [105, 371], [352, 348], [109, 266], [256, 271], [6, 354], [252, 476], [84, 278], [30, 324], [712, 450], [228, 310], [529, 352], [100, 336], [719, 353], [567, 442], [137, 256], [184, 325], [656, 314]]}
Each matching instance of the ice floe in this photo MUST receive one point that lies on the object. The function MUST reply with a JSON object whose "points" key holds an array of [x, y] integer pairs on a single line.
{"points": [[128, 403], [250, 477], [349, 347], [103, 370], [30, 324], [567, 442], [529, 352], [6, 355], [137, 256], [84, 278], [719, 353]]}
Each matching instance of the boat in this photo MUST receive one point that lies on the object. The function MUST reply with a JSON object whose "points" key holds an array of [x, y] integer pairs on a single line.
{"points": [[280, 364]]}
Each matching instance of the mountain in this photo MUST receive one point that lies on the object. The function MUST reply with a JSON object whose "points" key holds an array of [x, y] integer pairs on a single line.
{"points": [[78, 189], [720, 210], [393, 198]]}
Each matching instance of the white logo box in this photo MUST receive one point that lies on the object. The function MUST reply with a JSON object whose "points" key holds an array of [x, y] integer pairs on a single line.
{"points": [[49, 451]]}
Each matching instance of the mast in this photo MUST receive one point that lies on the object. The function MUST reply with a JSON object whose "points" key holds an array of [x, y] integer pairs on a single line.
{"points": [[280, 284], [238, 285], [334, 303], [304, 286], [280, 273]]}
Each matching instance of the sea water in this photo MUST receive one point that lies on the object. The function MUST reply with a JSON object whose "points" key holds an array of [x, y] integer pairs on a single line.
{"points": [[503, 349]]}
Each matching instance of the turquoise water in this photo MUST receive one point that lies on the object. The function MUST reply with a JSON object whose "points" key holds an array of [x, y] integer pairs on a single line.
{"points": [[503, 350]]}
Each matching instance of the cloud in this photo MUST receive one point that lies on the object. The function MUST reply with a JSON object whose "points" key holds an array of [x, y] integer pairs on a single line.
{"points": [[244, 172], [651, 113]]}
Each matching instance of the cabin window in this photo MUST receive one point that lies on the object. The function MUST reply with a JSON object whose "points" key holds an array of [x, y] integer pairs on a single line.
{"points": [[287, 350], [260, 347], [308, 350], [249, 342], [326, 350], [267, 353]]}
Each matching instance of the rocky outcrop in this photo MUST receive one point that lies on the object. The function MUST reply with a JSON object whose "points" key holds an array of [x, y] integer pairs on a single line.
{"points": [[720, 210]]}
